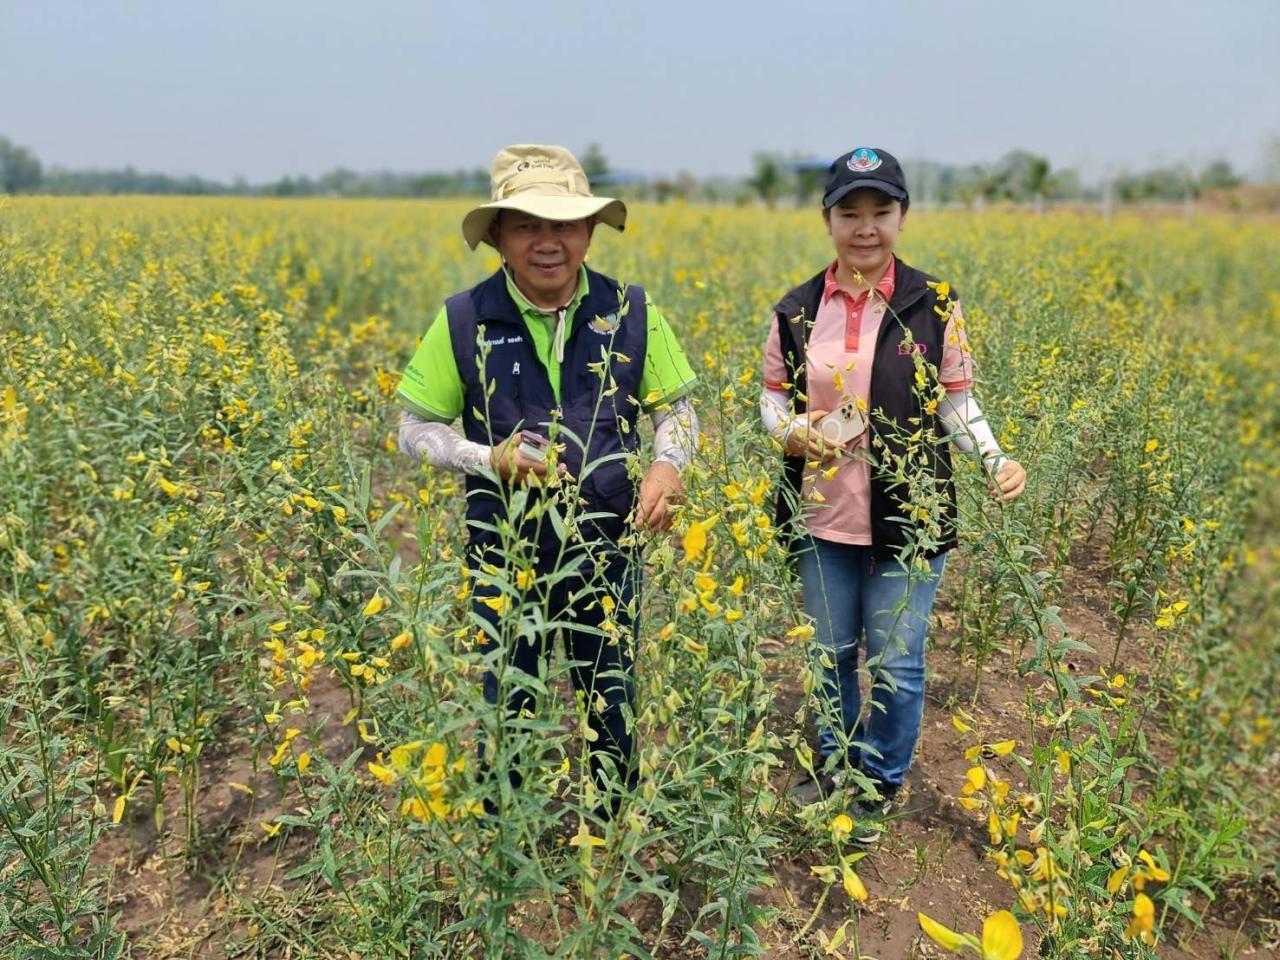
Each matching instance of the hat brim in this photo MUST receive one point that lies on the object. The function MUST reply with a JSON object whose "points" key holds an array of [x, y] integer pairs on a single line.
{"points": [[475, 225], [869, 183]]}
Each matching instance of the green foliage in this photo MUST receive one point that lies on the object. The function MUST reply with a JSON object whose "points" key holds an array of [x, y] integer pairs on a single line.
{"points": [[236, 620]]}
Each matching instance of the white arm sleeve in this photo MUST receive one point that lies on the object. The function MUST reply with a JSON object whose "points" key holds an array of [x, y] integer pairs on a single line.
{"points": [[675, 433], [775, 411], [966, 426], [440, 445]]}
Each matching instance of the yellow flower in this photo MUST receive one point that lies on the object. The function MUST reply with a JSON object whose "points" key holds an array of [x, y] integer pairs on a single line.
{"points": [[1144, 918], [435, 757], [695, 540], [1064, 762], [994, 828], [944, 937], [414, 807], [401, 755], [384, 775], [1149, 872], [499, 604], [400, 641], [375, 605], [1117, 878], [304, 762], [584, 838], [841, 826], [853, 884], [1001, 937], [802, 632]]}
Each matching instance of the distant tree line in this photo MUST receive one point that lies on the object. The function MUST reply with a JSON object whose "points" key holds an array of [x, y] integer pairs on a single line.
{"points": [[1018, 177], [22, 172]]}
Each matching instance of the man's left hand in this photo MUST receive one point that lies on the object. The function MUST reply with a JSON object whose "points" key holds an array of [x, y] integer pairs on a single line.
{"points": [[659, 490], [1011, 480]]}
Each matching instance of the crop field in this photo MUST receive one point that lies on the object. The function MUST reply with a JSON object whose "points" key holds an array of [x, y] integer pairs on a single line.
{"points": [[240, 682]]}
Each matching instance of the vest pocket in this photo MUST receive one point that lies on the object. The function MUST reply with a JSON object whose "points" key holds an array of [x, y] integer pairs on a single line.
{"points": [[609, 482]]}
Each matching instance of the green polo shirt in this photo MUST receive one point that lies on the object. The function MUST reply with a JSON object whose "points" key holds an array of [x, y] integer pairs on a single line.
{"points": [[432, 387]]}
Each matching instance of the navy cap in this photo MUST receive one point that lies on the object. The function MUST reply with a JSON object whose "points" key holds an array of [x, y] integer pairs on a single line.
{"points": [[864, 167]]}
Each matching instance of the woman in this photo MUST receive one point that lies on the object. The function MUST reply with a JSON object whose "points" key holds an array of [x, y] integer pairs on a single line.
{"points": [[883, 345]]}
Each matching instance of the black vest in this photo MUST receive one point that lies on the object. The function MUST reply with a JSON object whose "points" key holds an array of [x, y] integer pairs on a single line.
{"points": [[506, 388], [894, 404]]}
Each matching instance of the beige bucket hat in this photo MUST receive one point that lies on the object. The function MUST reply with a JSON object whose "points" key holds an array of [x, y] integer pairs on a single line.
{"points": [[542, 181]]}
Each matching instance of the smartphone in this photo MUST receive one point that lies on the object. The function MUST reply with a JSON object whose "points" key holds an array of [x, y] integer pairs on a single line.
{"points": [[533, 446], [843, 424]]}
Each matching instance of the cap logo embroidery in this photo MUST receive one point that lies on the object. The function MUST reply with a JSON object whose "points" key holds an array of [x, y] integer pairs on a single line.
{"points": [[864, 160]]}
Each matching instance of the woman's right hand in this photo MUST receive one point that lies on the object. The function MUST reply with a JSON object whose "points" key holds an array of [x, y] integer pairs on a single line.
{"points": [[804, 440]]}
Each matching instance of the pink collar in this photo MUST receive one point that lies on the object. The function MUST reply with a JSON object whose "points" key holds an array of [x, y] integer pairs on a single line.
{"points": [[884, 287]]}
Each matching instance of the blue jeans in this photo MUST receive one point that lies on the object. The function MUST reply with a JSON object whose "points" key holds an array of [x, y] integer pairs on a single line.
{"points": [[850, 595]]}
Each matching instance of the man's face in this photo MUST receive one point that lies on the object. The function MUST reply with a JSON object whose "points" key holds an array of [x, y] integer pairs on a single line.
{"points": [[544, 256], [864, 228]]}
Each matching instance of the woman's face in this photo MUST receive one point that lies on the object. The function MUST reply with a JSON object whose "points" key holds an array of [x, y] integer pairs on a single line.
{"points": [[864, 228]]}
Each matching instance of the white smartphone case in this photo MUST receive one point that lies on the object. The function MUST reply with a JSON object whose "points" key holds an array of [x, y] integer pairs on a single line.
{"points": [[843, 424]]}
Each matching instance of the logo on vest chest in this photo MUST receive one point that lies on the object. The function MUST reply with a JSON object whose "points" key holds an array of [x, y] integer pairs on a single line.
{"points": [[505, 341], [906, 349], [604, 325]]}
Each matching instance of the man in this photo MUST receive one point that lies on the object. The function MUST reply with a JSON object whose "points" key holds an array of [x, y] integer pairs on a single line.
{"points": [[549, 362]]}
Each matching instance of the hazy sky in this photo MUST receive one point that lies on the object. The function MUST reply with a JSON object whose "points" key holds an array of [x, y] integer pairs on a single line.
{"points": [[269, 87]]}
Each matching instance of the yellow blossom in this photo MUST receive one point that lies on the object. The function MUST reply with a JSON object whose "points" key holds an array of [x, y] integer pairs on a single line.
{"points": [[695, 540], [853, 885], [841, 826]]}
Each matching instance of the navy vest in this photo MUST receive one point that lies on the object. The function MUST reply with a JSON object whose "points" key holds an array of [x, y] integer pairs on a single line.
{"points": [[506, 388], [917, 307]]}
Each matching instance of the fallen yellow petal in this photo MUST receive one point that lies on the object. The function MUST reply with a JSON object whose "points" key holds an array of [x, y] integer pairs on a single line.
{"points": [[946, 938]]}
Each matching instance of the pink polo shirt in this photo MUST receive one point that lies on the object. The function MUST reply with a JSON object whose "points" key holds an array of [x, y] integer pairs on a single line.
{"points": [[838, 365]]}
